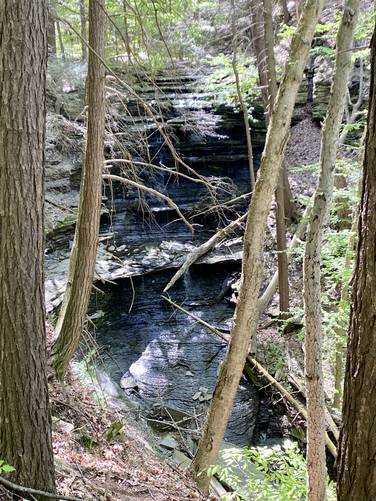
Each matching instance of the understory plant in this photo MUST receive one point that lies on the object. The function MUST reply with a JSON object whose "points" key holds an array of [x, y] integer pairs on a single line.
{"points": [[265, 473]]}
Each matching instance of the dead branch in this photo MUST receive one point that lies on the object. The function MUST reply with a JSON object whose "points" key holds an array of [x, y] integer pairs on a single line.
{"points": [[12, 487], [156, 193], [329, 420], [157, 167], [204, 249], [253, 364]]}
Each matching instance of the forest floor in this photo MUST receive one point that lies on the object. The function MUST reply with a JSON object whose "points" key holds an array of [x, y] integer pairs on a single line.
{"points": [[101, 455]]}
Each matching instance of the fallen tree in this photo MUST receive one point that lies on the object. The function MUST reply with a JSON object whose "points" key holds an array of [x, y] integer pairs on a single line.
{"points": [[252, 365]]}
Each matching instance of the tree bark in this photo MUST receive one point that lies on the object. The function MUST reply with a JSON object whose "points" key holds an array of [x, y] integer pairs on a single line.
{"points": [[126, 32], [258, 42], [286, 13], [283, 274], [316, 460], [51, 33], [246, 314], [357, 448], [83, 257], [25, 427]]}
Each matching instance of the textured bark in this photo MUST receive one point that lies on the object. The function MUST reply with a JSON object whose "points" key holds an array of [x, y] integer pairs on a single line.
{"points": [[258, 42], [316, 460], [82, 263], [126, 31], [246, 314], [25, 428], [286, 13], [283, 274], [51, 29], [357, 449]]}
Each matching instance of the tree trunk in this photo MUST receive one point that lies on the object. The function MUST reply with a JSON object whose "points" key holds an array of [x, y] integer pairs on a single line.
{"points": [[61, 41], [126, 31], [258, 42], [82, 263], [283, 274], [316, 460], [357, 448], [260, 48], [51, 33], [25, 428], [246, 314], [83, 32], [242, 103], [286, 13]]}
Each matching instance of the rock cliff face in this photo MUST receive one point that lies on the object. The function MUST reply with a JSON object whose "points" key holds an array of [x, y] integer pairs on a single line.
{"points": [[160, 357], [140, 232]]}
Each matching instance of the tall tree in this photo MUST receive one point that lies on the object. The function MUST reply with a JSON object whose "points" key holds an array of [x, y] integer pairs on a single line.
{"points": [[83, 31], [283, 275], [83, 257], [357, 446], [316, 460], [242, 103], [246, 314], [51, 29], [25, 428]]}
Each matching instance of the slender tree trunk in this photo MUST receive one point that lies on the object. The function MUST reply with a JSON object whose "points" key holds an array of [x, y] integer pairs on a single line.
{"points": [[258, 42], [61, 41], [51, 33], [25, 428], [260, 49], [242, 103], [286, 13], [126, 31], [283, 274], [357, 446], [82, 263], [316, 460], [246, 314], [83, 31]]}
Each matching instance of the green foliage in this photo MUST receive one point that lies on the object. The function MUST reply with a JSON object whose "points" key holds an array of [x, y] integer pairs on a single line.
{"points": [[116, 431], [5, 468], [276, 474], [222, 81], [365, 25], [87, 441], [272, 356]]}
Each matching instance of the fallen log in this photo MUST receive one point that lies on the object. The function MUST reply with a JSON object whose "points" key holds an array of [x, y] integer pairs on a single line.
{"points": [[204, 249], [251, 364]]}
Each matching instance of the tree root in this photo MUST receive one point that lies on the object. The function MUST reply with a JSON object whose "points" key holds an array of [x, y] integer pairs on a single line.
{"points": [[12, 487]]}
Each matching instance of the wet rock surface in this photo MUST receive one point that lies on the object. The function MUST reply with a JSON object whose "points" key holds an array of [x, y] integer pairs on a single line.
{"points": [[162, 358], [159, 358]]}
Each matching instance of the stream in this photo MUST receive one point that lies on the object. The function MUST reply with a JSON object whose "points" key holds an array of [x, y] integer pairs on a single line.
{"points": [[164, 361]]}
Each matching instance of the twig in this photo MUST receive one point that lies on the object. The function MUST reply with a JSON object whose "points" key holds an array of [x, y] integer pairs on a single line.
{"points": [[28, 490], [156, 193]]}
